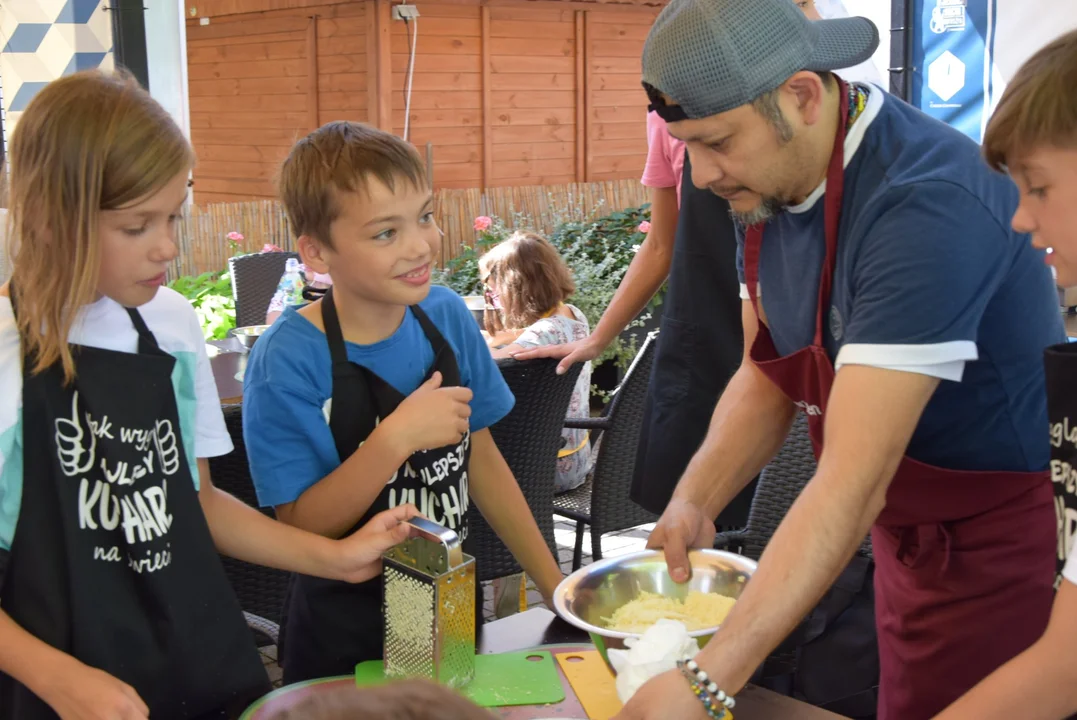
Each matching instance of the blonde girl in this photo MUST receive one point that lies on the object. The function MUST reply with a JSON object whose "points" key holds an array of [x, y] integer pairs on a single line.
{"points": [[114, 604], [526, 280]]}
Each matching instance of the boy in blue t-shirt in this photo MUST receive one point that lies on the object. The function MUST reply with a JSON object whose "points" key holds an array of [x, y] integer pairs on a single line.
{"points": [[379, 394]]}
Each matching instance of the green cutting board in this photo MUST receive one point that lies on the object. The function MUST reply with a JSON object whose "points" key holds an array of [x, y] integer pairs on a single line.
{"points": [[520, 678]]}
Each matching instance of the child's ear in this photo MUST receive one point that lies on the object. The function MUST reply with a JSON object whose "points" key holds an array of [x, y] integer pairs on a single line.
{"points": [[313, 254]]}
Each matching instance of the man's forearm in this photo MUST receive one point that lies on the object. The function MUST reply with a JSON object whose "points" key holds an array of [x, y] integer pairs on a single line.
{"points": [[334, 504], [748, 427], [499, 499], [811, 547]]}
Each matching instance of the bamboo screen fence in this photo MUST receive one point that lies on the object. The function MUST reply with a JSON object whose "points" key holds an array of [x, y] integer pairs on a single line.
{"points": [[202, 233]]}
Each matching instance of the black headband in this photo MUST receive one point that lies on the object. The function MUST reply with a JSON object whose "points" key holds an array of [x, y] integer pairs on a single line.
{"points": [[659, 106]]}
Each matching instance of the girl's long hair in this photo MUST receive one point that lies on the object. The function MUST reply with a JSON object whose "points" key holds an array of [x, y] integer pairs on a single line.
{"points": [[87, 142], [531, 279]]}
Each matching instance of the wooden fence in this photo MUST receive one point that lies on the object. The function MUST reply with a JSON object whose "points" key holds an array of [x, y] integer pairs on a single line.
{"points": [[203, 231]]}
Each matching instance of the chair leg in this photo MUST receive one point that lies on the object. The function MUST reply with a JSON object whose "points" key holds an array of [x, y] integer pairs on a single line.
{"points": [[596, 544], [577, 552]]}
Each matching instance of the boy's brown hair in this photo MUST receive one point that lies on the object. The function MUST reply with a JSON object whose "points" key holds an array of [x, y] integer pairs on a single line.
{"points": [[1037, 109], [337, 158], [405, 700], [531, 279]]}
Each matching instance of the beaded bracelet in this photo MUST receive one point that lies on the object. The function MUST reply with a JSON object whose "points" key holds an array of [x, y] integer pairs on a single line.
{"points": [[707, 691]]}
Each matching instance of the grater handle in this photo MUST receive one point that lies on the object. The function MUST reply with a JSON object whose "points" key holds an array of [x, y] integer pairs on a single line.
{"points": [[436, 533]]}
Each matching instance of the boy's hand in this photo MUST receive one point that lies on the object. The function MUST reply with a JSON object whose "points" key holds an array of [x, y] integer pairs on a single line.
{"points": [[432, 416], [81, 692], [360, 556]]}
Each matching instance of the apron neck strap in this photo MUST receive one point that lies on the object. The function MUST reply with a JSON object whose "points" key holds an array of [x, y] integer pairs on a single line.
{"points": [[147, 343], [835, 187]]}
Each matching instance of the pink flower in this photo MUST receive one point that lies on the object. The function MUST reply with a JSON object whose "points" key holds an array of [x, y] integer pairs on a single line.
{"points": [[644, 227], [269, 247], [483, 223], [235, 236]]}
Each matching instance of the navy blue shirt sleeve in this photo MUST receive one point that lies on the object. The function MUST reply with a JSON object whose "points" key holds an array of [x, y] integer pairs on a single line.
{"points": [[925, 268]]}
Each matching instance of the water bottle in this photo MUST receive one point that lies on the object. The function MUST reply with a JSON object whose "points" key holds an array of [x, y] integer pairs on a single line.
{"points": [[291, 284]]}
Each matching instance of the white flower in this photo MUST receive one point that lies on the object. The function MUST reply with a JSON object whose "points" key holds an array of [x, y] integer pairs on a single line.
{"points": [[635, 248]]}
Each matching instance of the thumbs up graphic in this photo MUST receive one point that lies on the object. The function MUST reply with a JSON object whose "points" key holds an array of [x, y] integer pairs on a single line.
{"points": [[75, 459], [167, 450]]}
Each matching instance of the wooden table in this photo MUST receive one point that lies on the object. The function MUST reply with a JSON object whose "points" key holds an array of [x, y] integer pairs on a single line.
{"points": [[541, 629]]}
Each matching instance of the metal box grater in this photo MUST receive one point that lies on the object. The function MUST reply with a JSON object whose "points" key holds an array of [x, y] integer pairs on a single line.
{"points": [[429, 607]]}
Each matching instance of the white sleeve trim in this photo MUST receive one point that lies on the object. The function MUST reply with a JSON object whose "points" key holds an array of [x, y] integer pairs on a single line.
{"points": [[744, 291], [945, 361]]}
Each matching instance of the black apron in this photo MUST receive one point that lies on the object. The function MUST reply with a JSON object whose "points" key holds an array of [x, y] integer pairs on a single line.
{"points": [[1060, 367], [332, 625], [699, 348], [112, 560]]}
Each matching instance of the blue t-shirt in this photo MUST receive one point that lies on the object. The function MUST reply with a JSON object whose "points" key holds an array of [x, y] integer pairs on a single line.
{"points": [[289, 381], [929, 273]]}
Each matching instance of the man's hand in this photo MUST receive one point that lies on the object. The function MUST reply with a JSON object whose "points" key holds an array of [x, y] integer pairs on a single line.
{"points": [[432, 416], [360, 553], [682, 526], [664, 696], [80, 692], [570, 353]]}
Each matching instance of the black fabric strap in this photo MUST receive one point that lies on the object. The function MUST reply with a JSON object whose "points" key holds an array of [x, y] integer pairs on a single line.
{"points": [[147, 343], [351, 391]]}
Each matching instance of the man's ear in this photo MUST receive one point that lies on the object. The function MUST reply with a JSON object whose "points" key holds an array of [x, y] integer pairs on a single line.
{"points": [[808, 92], [313, 254]]}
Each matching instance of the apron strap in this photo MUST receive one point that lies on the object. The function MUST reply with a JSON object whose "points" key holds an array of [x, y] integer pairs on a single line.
{"points": [[350, 391], [444, 357], [147, 342], [835, 187]]}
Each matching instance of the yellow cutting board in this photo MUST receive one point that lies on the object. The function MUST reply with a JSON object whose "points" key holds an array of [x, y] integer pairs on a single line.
{"points": [[594, 684]]}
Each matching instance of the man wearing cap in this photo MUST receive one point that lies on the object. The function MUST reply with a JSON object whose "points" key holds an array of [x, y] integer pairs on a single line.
{"points": [[887, 298]]}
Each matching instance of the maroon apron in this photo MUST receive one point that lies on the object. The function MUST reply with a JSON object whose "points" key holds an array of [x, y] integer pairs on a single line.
{"points": [[964, 559]]}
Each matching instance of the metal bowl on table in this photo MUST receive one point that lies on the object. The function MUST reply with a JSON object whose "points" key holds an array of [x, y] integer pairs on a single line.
{"points": [[248, 335], [596, 591]]}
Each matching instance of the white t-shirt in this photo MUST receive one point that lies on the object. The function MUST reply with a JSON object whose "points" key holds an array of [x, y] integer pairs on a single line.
{"points": [[105, 324]]}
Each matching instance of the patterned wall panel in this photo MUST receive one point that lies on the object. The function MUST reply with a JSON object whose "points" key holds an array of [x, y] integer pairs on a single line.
{"points": [[41, 40]]}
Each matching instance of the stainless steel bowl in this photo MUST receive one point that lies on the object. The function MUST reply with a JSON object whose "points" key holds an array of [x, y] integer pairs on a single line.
{"points": [[248, 335], [596, 591]]}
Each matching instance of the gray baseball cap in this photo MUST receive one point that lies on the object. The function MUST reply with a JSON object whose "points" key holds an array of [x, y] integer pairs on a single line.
{"points": [[710, 56]]}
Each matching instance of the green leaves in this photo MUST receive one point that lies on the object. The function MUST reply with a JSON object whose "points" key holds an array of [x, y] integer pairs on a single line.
{"points": [[211, 296]]}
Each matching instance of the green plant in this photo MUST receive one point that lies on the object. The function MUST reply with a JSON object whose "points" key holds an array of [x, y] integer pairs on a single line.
{"points": [[211, 296], [461, 273]]}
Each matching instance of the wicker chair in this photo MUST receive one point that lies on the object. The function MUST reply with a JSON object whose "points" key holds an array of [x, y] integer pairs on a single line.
{"points": [[529, 438], [261, 590], [254, 281], [603, 501]]}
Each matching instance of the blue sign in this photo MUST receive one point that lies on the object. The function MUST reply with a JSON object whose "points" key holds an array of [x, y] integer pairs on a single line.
{"points": [[953, 45]]}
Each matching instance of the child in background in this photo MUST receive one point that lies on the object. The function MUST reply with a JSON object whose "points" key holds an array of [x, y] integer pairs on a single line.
{"points": [[115, 603], [382, 392], [526, 279]]}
